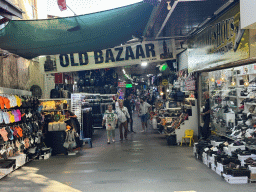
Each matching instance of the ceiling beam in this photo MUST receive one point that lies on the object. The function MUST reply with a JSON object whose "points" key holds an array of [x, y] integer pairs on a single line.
{"points": [[170, 13], [10, 8]]}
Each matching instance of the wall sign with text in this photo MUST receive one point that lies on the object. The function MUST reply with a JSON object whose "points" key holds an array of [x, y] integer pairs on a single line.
{"points": [[150, 51]]}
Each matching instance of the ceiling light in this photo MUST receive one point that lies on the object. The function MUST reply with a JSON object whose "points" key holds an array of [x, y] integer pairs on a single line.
{"points": [[169, 6], [144, 64]]}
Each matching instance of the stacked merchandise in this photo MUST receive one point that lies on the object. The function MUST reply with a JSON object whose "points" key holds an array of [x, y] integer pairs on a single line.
{"points": [[62, 133], [20, 132], [229, 159], [103, 81]]}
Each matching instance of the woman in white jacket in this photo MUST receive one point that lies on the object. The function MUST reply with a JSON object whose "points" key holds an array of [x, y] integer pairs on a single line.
{"points": [[123, 118]]}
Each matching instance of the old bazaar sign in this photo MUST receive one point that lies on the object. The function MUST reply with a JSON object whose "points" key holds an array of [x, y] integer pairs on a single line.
{"points": [[221, 42], [150, 51]]}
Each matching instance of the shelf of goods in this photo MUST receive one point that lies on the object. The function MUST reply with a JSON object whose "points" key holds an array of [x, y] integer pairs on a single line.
{"points": [[95, 103], [20, 131]]}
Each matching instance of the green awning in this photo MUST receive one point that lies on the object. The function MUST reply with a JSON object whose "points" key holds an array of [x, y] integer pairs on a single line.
{"points": [[84, 33]]}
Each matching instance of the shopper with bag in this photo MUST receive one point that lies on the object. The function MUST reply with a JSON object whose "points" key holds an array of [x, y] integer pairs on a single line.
{"points": [[123, 117], [144, 113], [110, 118]]}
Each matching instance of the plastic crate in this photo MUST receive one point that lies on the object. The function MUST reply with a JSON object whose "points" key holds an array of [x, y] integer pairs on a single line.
{"points": [[20, 160], [252, 169], [4, 172], [236, 180], [242, 158], [218, 171], [205, 155], [211, 159], [213, 167], [205, 161], [233, 148], [220, 166]]}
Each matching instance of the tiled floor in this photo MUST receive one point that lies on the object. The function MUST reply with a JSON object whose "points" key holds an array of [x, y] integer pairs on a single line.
{"points": [[143, 163]]}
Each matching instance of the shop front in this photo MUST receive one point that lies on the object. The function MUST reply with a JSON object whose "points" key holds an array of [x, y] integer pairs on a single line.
{"points": [[220, 54]]}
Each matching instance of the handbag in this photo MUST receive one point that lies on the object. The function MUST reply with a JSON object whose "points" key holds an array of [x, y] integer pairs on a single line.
{"points": [[70, 141]]}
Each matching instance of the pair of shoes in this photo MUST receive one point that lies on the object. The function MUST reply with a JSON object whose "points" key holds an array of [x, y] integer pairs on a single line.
{"points": [[120, 139], [113, 141], [108, 142]]}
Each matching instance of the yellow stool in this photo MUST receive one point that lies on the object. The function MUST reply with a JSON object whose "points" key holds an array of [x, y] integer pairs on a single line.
{"points": [[189, 134]]}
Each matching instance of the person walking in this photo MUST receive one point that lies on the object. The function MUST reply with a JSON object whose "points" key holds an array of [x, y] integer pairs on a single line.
{"points": [[144, 111], [123, 116], [137, 106], [110, 118], [205, 132], [128, 105]]}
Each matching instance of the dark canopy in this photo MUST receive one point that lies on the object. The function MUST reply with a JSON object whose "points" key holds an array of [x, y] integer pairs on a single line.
{"points": [[90, 32]]}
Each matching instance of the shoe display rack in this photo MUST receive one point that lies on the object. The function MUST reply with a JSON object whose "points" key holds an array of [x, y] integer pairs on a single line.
{"points": [[233, 103], [231, 160]]}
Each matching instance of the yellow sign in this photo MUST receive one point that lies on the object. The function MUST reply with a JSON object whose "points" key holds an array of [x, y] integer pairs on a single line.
{"points": [[165, 82], [221, 42]]}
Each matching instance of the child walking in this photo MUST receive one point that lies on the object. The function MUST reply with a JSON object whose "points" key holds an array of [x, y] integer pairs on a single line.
{"points": [[110, 118]]}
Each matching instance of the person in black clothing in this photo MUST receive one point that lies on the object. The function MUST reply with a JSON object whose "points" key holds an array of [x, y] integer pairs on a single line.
{"points": [[127, 103], [205, 132]]}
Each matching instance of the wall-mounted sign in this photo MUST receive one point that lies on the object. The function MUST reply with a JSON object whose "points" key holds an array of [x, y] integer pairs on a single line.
{"points": [[221, 42], [150, 51], [121, 84], [128, 86], [164, 82]]}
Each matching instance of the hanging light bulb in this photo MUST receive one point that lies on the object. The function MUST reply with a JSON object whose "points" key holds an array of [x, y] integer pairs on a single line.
{"points": [[169, 6], [222, 79], [233, 83], [212, 79], [246, 82]]}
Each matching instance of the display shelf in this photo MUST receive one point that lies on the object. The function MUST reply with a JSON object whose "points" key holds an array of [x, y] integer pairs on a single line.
{"points": [[52, 110], [242, 97], [55, 99], [250, 103]]}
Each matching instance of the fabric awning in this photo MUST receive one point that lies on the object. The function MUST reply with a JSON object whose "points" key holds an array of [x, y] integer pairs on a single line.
{"points": [[78, 34]]}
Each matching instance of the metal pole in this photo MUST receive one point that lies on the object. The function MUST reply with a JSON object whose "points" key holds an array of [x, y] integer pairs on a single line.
{"points": [[71, 10]]}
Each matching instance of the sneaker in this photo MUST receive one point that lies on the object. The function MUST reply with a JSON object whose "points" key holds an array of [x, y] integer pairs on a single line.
{"points": [[142, 131], [108, 142], [133, 132], [113, 141], [126, 139], [120, 139]]}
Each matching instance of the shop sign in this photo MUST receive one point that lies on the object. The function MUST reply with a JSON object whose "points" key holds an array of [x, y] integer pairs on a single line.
{"points": [[121, 84], [221, 42], [165, 82], [149, 51]]}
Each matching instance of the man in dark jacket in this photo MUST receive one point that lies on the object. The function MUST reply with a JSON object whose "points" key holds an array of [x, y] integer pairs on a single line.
{"points": [[128, 105], [206, 132]]}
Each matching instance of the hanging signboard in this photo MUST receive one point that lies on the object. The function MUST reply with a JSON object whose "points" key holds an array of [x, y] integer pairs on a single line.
{"points": [[149, 51], [221, 42]]}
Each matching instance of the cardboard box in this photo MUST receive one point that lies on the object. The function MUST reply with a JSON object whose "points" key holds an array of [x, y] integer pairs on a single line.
{"points": [[253, 177]]}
